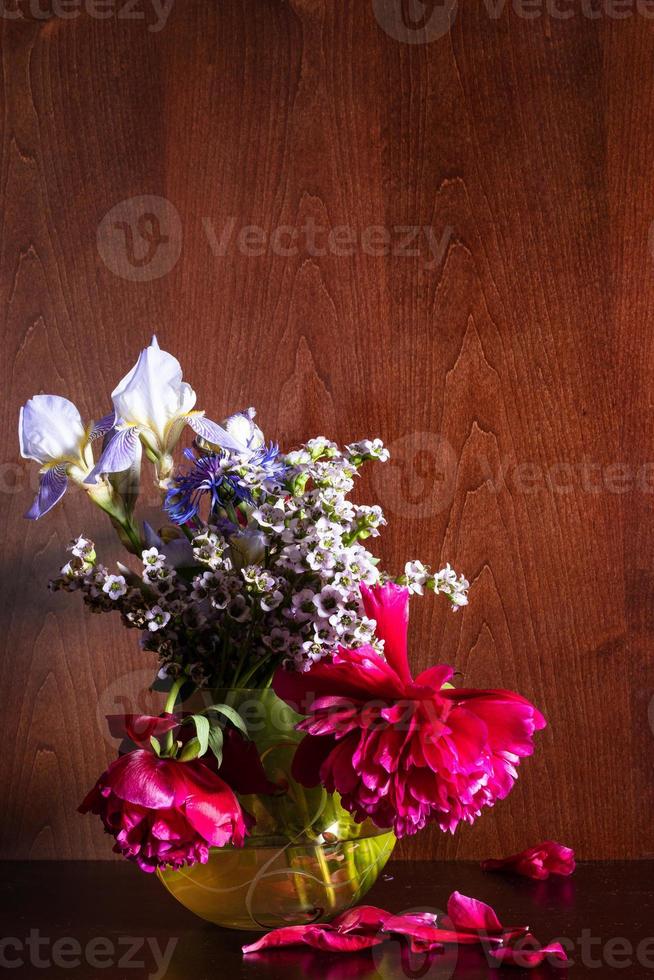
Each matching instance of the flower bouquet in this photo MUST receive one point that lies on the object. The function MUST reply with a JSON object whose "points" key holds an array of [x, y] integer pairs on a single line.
{"points": [[294, 744]]}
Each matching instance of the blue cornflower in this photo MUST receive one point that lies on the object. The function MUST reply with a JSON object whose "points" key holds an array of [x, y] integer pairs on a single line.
{"points": [[209, 474], [271, 467]]}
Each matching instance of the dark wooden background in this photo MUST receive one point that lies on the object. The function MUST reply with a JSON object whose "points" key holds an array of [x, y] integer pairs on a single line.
{"points": [[512, 377]]}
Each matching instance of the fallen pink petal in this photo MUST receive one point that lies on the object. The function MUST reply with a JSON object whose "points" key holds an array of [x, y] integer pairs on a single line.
{"points": [[469, 922], [479, 921], [530, 954], [427, 934], [470, 913], [538, 862]]}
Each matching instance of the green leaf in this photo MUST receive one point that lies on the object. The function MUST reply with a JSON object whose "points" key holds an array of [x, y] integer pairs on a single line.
{"points": [[231, 714], [154, 742], [202, 731], [216, 742], [190, 751]]}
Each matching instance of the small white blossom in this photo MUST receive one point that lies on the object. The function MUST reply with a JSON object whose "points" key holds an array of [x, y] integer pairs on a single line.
{"points": [[416, 575], [82, 548], [292, 558], [320, 446], [450, 584], [328, 601], [368, 449], [343, 621], [278, 639], [115, 586], [157, 618], [271, 600], [258, 578], [152, 558], [320, 560], [299, 457], [270, 517], [209, 547], [239, 609]]}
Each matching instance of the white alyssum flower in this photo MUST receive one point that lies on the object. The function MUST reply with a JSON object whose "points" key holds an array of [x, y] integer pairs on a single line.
{"points": [[454, 586], [82, 548], [328, 601], [368, 449], [239, 609], [209, 547], [153, 558], [258, 578], [320, 560], [271, 600], [157, 618], [115, 586], [416, 575], [278, 639], [270, 516]]}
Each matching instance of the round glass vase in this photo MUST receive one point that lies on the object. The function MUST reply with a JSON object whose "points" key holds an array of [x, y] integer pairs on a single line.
{"points": [[305, 859]]}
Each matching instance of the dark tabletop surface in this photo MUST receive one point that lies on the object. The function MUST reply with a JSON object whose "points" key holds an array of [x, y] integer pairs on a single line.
{"points": [[108, 920]]}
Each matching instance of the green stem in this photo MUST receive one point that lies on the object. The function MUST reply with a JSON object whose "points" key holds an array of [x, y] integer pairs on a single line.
{"points": [[129, 535], [231, 513], [243, 681], [168, 709], [172, 694], [326, 876], [300, 886], [351, 865], [239, 666], [109, 501]]}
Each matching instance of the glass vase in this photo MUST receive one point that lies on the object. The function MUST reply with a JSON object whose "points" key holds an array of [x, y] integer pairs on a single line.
{"points": [[305, 860]]}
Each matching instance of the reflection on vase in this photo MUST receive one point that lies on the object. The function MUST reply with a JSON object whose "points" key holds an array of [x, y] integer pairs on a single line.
{"points": [[264, 887]]}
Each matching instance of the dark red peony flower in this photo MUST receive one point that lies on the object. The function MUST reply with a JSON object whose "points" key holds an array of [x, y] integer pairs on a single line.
{"points": [[165, 813], [399, 750], [537, 862]]}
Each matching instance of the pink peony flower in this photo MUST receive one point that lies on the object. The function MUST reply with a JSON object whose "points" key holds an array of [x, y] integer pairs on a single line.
{"points": [[165, 813], [537, 862], [399, 750]]}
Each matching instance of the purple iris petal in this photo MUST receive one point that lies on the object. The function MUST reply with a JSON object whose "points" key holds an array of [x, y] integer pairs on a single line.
{"points": [[121, 452], [103, 425], [52, 487], [214, 433]]}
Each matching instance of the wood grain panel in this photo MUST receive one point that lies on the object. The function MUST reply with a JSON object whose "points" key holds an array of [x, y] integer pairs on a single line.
{"points": [[503, 352]]}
